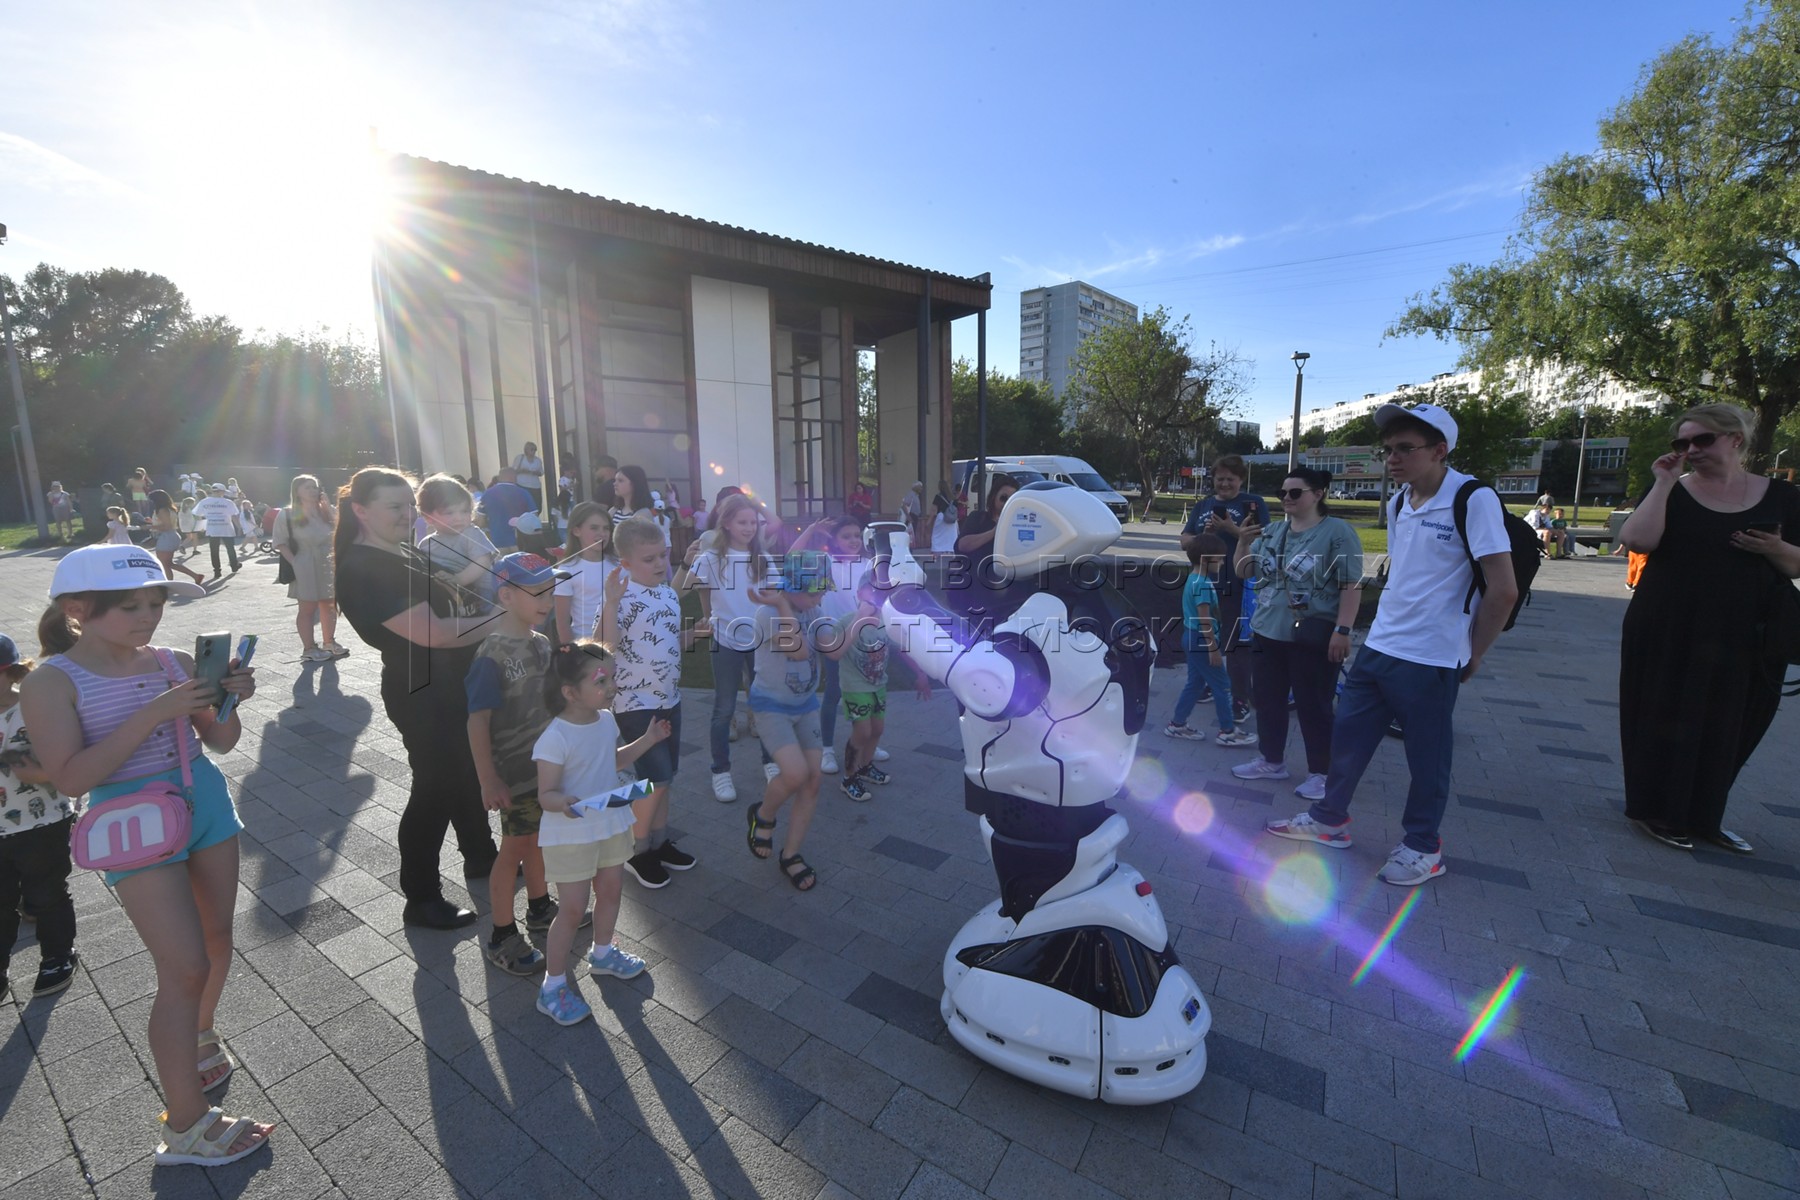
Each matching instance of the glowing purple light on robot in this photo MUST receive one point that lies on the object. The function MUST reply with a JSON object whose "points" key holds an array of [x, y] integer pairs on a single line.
{"points": [[1489, 1014], [1387, 937]]}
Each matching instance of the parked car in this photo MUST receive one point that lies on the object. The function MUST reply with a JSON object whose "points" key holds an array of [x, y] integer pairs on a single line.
{"points": [[1367, 494]]}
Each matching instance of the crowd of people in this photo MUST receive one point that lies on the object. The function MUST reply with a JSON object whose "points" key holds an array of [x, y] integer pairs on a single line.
{"points": [[532, 651]]}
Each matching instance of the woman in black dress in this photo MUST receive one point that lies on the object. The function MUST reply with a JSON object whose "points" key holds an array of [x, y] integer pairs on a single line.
{"points": [[1695, 693], [395, 603]]}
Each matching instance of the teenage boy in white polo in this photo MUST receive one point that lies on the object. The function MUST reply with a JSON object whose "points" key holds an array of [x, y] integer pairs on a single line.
{"points": [[1422, 647]]}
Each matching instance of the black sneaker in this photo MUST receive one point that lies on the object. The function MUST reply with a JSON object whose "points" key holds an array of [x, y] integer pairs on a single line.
{"points": [[1240, 711], [538, 922], [54, 975], [436, 914], [647, 870], [674, 857], [1205, 693]]}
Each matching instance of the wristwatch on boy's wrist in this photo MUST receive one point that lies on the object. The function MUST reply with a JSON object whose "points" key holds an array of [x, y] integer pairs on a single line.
{"points": [[1343, 629]]}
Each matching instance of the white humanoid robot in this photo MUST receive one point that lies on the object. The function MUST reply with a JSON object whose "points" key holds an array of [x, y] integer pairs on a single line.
{"points": [[1068, 979]]}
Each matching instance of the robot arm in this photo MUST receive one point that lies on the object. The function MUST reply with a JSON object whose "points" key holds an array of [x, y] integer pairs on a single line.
{"points": [[994, 679]]}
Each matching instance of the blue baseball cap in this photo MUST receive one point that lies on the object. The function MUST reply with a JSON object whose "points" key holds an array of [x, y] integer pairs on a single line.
{"points": [[531, 571], [9, 652]]}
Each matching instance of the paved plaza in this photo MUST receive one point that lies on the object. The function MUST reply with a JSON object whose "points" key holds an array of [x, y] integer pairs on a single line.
{"points": [[789, 1045]]}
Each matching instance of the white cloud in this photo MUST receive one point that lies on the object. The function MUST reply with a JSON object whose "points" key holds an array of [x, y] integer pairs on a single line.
{"points": [[624, 33], [1125, 259], [24, 162]]}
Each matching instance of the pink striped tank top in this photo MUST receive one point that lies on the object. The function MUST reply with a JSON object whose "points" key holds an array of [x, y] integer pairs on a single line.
{"points": [[105, 703]]}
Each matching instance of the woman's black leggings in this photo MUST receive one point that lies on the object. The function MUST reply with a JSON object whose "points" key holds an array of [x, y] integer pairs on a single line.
{"points": [[1311, 675], [445, 790]]}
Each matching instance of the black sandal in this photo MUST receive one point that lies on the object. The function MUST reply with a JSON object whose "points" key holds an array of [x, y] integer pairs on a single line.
{"points": [[762, 847], [804, 880], [1665, 835], [1731, 841]]}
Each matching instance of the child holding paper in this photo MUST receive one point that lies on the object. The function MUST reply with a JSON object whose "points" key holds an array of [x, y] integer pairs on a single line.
{"points": [[578, 757]]}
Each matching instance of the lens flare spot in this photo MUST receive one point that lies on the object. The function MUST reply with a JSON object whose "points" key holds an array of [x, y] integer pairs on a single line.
{"points": [[1148, 780], [1490, 1014], [681, 442], [1194, 813], [715, 468], [652, 420], [1387, 937], [1299, 890]]}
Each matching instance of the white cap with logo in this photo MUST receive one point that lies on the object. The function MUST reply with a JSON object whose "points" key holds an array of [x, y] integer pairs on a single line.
{"points": [[1431, 414], [112, 568]]}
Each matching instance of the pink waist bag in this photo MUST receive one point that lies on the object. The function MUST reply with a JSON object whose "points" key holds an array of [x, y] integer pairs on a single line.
{"points": [[139, 829]]}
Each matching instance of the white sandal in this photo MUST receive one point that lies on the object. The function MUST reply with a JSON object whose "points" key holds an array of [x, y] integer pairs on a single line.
{"points": [[191, 1146], [221, 1059]]}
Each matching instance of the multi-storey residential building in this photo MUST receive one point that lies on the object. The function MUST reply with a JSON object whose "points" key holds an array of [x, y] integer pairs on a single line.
{"points": [[1542, 385], [1054, 321]]}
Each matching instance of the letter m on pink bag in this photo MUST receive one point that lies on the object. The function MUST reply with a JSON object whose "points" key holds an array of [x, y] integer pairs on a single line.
{"points": [[126, 832]]}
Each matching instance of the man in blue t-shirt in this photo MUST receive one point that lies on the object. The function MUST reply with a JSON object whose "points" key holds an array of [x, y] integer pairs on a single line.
{"points": [[500, 504], [1222, 514]]}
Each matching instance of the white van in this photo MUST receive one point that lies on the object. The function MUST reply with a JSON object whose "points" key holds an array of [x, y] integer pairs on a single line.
{"points": [[1029, 468]]}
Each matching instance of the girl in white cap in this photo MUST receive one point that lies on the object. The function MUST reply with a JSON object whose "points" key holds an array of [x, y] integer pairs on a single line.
{"points": [[105, 711]]}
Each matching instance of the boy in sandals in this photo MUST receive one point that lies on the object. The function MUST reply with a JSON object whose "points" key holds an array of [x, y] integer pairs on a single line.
{"points": [[784, 695]]}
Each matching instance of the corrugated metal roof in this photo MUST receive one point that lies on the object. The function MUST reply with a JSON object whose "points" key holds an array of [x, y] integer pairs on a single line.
{"points": [[417, 164]]}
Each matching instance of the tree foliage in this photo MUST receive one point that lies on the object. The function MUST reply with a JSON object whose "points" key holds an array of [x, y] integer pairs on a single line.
{"points": [[1668, 257], [119, 373], [1489, 428], [1023, 416], [1142, 382], [1358, 431]]}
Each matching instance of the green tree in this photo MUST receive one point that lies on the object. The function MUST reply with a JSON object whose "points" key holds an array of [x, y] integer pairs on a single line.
{"points": [[1143, 383], [1489, 428], [1667, 257], [868, 427], [1023, 416], [1359, 431], [1556, 475]]}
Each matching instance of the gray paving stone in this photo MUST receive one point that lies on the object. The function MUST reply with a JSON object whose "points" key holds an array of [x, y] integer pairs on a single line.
{"points": [[943, 1074], [542, 1175], [1751, 1114], [1538, 1173], [1721, 1145], [277, 1048], [321, 1100], [747, 935], [357, 949], [934, 1183], [828, 1017], [1326, 1141], [868, 1163], [1024, 1113], [840, 1079], [743, 1163], [763, 1099], [1120, 1163], [576, 1128], [641, 1168], [1295, 1082], [505, 1069], [1442, 1136], [753, 979], [477, 1143], [94, 1074], [939, 1134], [757, 1032], [1423, 1178], [1242, 1161], [667, 1109]]}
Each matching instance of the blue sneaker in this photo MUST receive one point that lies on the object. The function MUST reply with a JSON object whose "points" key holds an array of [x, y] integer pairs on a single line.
{"points": [[563, 1005], [620, 964]]}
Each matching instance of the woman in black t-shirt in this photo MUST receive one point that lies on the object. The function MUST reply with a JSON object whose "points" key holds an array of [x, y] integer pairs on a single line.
{"points": [[389, 595], [975, 547]]}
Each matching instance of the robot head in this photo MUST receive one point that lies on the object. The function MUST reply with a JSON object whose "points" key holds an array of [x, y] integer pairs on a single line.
{"points": [[1046, 524], [889, 543]]}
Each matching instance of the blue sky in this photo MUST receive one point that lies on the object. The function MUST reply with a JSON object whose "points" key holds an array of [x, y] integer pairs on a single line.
{"points": [[1285, 175]]}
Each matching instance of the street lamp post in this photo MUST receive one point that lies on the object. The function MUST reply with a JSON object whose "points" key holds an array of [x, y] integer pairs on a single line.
{"points": [[36, 507], [1299, 357]]}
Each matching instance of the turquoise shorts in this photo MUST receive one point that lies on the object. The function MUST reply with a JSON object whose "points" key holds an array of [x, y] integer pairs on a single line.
{"points": [[215, 816]]}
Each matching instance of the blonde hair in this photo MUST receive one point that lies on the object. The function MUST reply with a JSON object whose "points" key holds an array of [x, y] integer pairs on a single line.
{"points": [[297, 513], [633, 532], [1723, 419]]}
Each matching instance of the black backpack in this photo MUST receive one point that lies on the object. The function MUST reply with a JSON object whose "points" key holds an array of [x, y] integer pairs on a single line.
{"points": [[1526, 548]]}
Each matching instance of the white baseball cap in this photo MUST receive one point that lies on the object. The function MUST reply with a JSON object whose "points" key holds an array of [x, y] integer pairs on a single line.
{"points": [[1431, 414], [110, 568]]}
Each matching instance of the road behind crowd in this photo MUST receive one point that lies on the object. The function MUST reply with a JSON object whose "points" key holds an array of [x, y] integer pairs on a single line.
{"points": [[789, 1045]]}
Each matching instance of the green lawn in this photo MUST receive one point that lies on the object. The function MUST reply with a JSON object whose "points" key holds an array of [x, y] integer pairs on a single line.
{"points": [[14, 537]]}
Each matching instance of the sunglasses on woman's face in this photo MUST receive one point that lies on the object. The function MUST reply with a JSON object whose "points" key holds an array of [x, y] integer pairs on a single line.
{"points": [[1699, 441], [1292, 493]]}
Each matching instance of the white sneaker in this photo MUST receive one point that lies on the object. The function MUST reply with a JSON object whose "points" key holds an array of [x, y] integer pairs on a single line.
{"points": [[1302, 828], [770, 770], [828, 761], [1312, 789], [1235, 737], [1407, 867], [318, 654], [1186, 733], [881, 755], [1260, 768], [724, 790]]}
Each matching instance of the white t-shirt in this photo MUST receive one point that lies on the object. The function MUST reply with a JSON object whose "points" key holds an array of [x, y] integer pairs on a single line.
{"points": [[528, 472], [218, 515], [589, 758], [727, 575], [943, 533], [1421, 616], [649, 650], [586, 588]]}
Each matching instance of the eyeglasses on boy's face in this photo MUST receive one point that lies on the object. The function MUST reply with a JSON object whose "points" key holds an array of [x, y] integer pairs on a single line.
{"points": [[1400, 449], [1699, 441]]}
